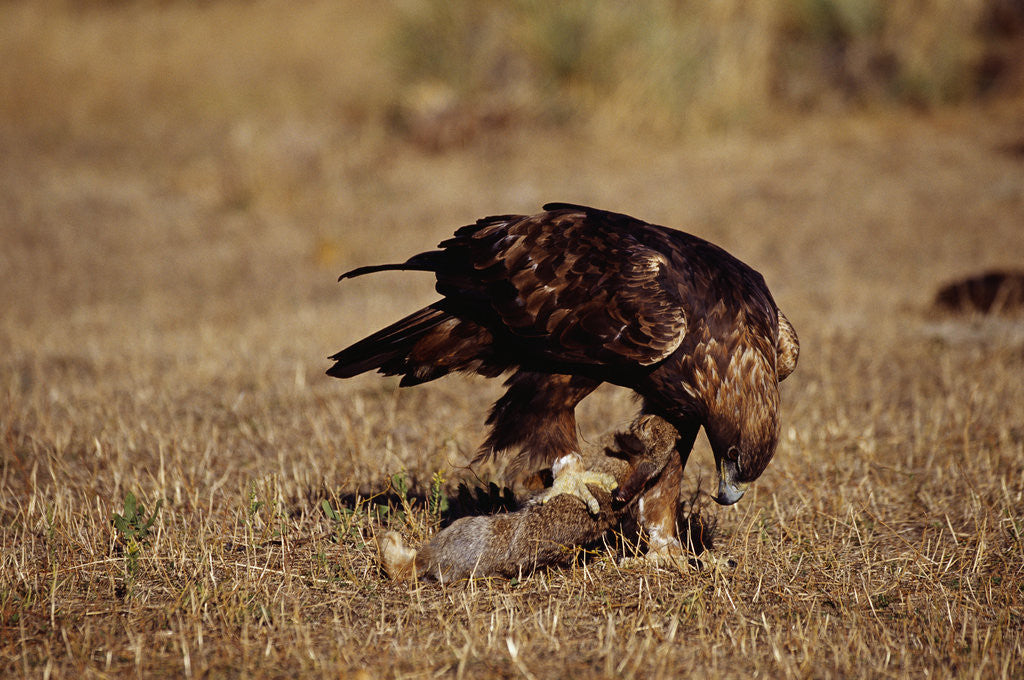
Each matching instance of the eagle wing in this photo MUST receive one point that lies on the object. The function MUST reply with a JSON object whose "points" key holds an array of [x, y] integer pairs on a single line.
{"points": [[787, 348], [575, 284]]}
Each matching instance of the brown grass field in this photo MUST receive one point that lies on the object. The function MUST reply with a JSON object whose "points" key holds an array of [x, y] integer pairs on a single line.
{"points": [[180, 185]]}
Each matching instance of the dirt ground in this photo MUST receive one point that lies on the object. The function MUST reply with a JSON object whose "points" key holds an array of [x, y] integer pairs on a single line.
{"points": [[169, 300]]}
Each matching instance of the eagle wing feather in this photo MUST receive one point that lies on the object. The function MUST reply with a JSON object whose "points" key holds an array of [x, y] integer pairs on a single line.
{"points": [[577, 285]]}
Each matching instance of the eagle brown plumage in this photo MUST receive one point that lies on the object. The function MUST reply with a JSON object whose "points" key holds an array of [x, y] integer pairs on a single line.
{"points": [[575, 296]]}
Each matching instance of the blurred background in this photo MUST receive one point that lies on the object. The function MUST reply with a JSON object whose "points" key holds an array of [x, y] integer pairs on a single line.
{"points": [[182, 181]]}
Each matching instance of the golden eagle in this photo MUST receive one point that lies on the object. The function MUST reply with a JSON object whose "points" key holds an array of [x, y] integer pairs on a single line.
{"points": [[575, 296]]}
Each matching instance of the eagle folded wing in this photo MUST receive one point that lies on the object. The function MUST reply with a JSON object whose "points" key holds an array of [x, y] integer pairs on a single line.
{"points": [[576, 289], [788, 348]]}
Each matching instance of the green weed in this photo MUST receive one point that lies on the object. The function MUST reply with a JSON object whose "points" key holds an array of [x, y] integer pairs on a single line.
{"points": [[133, 528]]}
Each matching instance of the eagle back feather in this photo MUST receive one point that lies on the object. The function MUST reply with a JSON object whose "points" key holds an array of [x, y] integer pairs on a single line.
{"points": [[578, 286]]}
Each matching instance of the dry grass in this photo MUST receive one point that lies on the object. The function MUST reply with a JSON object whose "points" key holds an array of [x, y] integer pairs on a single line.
{"points": [[169, 299]]}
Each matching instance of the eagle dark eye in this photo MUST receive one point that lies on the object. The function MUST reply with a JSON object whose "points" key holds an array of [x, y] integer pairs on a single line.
{"points": [[732, 454]]}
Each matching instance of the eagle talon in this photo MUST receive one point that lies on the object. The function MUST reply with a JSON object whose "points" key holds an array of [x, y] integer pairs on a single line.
{"points": [[572, 479]]}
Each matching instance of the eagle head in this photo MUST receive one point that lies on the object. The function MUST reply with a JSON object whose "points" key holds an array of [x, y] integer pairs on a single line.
{"points": [[742, 448], [743, 424]]}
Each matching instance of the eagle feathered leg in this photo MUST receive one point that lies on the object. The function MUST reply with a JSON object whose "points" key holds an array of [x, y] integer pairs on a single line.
{"points": [[537, 416]]}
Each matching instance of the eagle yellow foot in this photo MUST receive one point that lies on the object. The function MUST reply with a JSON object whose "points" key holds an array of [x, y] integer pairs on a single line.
{"points": [[571, 478]]}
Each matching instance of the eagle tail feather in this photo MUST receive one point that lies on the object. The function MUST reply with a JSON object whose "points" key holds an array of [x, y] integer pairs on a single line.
{"points": [[387, 350], [430, 261]]}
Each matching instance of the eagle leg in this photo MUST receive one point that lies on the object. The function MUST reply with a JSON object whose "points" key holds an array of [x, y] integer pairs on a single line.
{"points": [[571, 478], [537, 416], [656, 512], [658, 502]]}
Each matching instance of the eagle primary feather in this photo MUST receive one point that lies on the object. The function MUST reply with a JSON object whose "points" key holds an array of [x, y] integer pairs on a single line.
{"points": [[573, 297]]}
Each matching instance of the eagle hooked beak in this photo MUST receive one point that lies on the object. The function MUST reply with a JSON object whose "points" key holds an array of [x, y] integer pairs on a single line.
{"points": [[730, 489]]}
